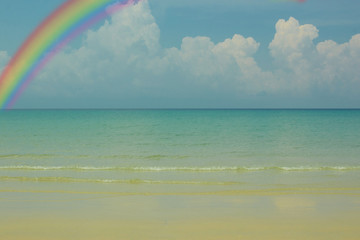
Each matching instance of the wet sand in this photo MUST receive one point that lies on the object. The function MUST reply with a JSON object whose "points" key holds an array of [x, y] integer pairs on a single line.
{"points": [[266, 214]]}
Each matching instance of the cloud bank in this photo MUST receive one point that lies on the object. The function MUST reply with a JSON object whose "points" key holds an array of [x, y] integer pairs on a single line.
{"points": [[123, 60]]}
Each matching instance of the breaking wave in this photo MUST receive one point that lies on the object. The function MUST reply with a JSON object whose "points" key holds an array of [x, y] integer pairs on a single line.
{"points": [[119, 181], [180, 169]]}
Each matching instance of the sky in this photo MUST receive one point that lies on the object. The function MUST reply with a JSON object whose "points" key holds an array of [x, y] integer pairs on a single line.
{"points": [[198, 54]]}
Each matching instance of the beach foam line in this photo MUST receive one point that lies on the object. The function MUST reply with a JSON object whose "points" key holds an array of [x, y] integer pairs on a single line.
{"points": [[240, 192], [118, 181], [180, 169]]}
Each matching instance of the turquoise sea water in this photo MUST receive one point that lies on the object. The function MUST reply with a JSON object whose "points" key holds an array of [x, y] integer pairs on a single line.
{"points": [[226, 149]]}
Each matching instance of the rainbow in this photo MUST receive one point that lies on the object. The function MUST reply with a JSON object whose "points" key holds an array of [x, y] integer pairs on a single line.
{"points": [[59, 28]]}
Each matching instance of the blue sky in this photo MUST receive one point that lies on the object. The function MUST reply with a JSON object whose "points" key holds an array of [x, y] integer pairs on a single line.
{"points": [[198, 54]]}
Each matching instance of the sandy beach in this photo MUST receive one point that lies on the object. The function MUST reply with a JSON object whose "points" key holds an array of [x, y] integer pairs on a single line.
{"points": [[260, 214]]}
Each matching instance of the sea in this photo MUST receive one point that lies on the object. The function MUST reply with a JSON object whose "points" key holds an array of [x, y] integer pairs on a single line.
{"points": [[180, 174], [230, 149]]}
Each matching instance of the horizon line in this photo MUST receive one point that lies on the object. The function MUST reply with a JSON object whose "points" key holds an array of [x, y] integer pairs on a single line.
{"points": [[183, 108]]}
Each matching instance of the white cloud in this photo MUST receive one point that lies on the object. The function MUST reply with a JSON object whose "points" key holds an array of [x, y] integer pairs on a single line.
{"points": [[303, 65], [108, 58], [293, 43], [227, 62], [339, 63], [124, 57], [125, 53]]}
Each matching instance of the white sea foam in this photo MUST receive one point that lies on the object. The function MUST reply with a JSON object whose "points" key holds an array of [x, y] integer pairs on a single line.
{"points": [[113, 181], [175, 169]]}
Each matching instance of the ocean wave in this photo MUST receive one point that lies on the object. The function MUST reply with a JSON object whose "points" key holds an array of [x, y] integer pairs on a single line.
{"points": [[50, 156], [118, 181], [181, 169], [28, 156], [341, 191]]}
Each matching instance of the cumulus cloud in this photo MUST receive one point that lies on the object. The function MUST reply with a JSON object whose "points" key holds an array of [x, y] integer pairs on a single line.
{"points": [[339, 63], [108, 58], [228, 62], [125, 53], [325, 65], [124, 57], [293, 44]]}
